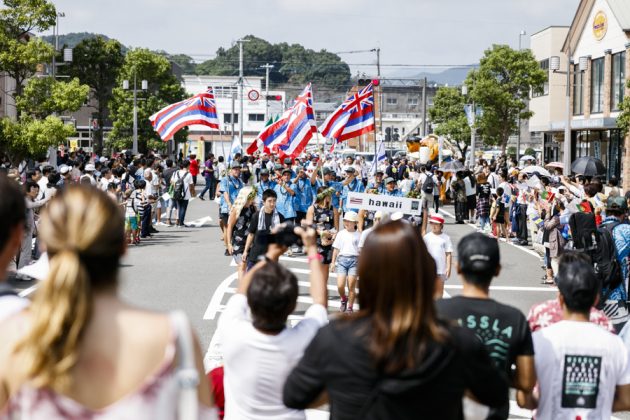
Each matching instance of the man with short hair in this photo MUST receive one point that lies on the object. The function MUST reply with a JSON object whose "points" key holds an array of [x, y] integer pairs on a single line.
{"points": [[259, 350], [189, 190], [303, 198], [583, 370], [12, 220], [229, 188], [391, 188], [502, 328], [352, 184], [377, 184], [285, 197]]}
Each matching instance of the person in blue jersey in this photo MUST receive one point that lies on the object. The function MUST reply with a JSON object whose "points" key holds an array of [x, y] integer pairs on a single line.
{"points": [[303, 198], [391, 188], [229, 189], [287, 165], [353, 185], [285, 193], [263, 185], [378, 183]]}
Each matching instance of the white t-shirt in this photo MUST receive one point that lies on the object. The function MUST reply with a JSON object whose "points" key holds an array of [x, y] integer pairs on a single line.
{"points": [[364, 236], [257, 365], [347, 243], [470, 190], [578, 365], [438, 246], [188, 180]]}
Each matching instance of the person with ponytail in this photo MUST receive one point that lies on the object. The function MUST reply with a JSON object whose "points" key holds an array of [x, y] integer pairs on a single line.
{"points": [[79, 351]]}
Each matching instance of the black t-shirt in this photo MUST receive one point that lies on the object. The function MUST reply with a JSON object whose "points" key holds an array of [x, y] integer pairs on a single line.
{"points": [[501, 328], [257, 248], [168, 173]]}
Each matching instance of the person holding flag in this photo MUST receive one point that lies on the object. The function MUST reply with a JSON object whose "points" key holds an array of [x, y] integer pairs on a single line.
{"points": [[229, 189]]}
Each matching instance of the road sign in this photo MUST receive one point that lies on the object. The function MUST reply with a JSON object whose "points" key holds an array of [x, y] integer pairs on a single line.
{"points": [[384, 203], [253, 95]]}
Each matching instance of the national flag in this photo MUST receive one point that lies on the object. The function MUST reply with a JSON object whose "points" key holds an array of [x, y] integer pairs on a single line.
{"points": [[199, 109], [379, 156], [546, 195], [353, 117], [290, 133], [234, 149]]}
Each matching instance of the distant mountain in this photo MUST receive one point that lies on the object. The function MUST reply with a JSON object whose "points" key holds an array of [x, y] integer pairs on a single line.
{"points": [[73, 38], [453, 76]]}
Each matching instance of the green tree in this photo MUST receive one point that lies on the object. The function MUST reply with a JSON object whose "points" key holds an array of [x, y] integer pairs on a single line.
{"points": [[449, 116], [31, 137], [623, 120], [163, 89], [44, 96], [529, 151], [97, 62], [501, 86], [184, 61]]}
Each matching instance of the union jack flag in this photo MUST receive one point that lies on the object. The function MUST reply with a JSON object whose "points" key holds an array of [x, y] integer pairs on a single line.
{"points": [[291, 133], [199, 109], [355, 116]]}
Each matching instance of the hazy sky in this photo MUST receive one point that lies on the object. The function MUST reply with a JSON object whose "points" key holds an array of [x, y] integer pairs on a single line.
{"points": [[422, 33]]}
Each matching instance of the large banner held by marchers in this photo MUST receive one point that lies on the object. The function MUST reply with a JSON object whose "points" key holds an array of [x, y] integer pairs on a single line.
{"points": [[385, 203]]}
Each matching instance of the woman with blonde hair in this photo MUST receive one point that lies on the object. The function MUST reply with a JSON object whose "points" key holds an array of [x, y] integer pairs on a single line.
{"points": [[238, 225], [394, 359], [79, 351]]}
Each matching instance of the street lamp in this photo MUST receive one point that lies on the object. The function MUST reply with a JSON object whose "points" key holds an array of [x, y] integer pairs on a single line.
{"points": [[554, 65], [471, 121], [125, 86], [520, 36]]}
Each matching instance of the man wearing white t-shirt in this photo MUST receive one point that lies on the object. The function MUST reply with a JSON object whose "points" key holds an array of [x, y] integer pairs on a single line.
{"points": [[260, 351], [582, 369], [440, 247]]}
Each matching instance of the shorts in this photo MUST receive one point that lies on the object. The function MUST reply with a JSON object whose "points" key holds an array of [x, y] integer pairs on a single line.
{"points": [[131, 222], [347, 265], [471, 202], [326, 253], [224, 218], [299, 216]]}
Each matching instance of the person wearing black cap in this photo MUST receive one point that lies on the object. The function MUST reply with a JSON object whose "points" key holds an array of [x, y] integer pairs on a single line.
{"points": [[285, 197], [303, 198], [263, 185], [353, 185], [502, 328], [377, 184], [583, 370]]}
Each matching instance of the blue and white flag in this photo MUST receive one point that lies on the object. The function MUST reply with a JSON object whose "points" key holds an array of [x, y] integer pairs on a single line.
{"points": [[379, 156], [234, 149]]}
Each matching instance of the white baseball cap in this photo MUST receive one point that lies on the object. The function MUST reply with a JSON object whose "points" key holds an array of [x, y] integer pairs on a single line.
{"points": [[90, 167], [351, 216]]}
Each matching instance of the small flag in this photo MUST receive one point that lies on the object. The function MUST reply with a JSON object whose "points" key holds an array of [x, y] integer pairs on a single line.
{"points": [[200, 109], [546, 195], [355, 116], [379, 156], [234, 149]]}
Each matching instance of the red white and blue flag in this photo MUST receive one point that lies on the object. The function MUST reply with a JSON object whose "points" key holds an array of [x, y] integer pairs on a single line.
{"points": [[291, 133], [353, 117], [200, 109]]}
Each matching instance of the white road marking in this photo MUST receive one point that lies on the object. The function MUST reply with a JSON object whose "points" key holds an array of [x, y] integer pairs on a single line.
{"points": [[529, 251], [215, 301], [510, 288], [200, 222], [27, 292]]}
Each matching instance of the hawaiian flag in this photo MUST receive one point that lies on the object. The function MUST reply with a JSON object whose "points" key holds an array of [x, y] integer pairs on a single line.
{"points": [[353, 117], [290, 134], [200, 109]]}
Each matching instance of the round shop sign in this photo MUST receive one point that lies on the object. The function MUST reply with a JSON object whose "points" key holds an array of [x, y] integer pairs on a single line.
{"points": [[253, 95], [600, 25]]}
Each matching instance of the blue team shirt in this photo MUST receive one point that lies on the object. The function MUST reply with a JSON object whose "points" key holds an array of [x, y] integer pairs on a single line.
{"points": [[284, 204], [354, 186], [338, 186], [232, 186], [379, 187], [303, 197], [395, 193], [262, 186]]}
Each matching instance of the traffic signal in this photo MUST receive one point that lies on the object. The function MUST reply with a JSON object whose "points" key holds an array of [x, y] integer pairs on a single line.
{"points": [[388, 134], [396, 135], [365, 82], [274, 97]]}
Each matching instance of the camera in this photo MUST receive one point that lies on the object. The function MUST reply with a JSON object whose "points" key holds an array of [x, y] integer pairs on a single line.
{"points": [[285, 236]]}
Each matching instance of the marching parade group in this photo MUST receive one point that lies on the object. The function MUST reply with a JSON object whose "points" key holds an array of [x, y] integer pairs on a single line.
{"points": [[398, 351]]}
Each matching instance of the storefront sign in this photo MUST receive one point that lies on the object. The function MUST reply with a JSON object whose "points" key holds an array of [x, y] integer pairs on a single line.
{"points": [[600, 25], [384, 203]]}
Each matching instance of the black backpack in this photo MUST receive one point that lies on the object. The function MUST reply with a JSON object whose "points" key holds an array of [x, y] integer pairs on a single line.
{"points": [[604, 258], [428, 184], [179, 191], [583, 231]]}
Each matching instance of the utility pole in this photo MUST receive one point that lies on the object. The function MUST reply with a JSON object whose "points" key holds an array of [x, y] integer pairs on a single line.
{"points": [[134, 148], [267, 67], [232, 119], [424, 107], [240, 88], [380, 91], [518, 140]]}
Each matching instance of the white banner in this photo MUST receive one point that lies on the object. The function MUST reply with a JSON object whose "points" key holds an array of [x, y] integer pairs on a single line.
{"points": [[384, 203]]}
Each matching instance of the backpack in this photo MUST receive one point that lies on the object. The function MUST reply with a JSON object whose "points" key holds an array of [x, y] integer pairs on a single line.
{"points": [[583, 231], [179, 192], [604, 258], [428, 184]]}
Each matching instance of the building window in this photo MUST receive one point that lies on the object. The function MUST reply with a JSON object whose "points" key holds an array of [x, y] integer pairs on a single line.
{"points": [[544, 89], [227, 119], [392, 101], [224, 91], [578, 91], [618, 79], [256, 117], [412, 101], [597, 86]]}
